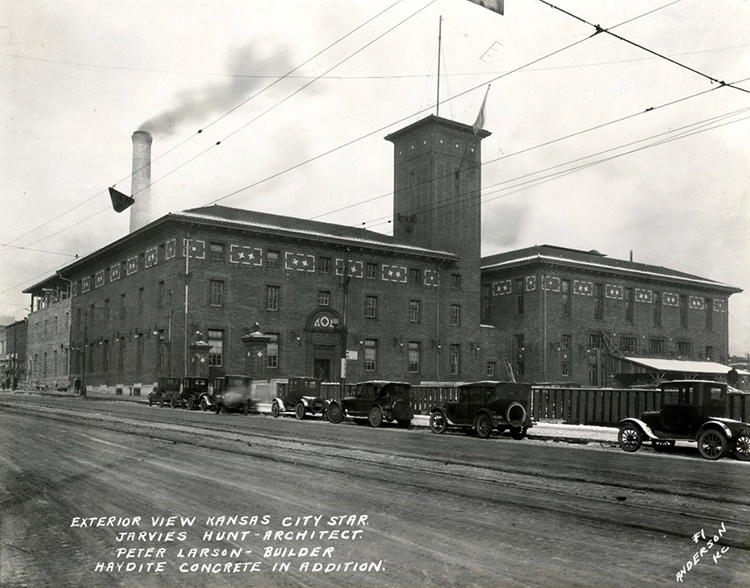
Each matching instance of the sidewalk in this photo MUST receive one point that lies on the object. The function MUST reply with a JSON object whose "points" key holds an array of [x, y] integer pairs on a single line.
{"points": [[546, 431]]}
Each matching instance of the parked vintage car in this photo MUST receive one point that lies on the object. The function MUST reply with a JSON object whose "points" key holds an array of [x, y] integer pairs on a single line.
{"points": [[484, 406], [192, 392], [230, 393], [374, 402], [694, 410], [301, 395], [165, 390]]}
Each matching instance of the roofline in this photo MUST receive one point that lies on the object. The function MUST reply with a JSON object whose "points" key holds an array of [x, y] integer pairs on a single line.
{"points": [[545, 258], [481, 134]]}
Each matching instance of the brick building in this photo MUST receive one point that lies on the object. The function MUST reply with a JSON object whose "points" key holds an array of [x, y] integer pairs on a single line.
{"points": [[577, 316], [15, 351], [408, 310]]}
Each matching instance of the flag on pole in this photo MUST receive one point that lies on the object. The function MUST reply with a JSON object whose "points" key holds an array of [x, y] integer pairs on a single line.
{"points": [[119, 200], [493, 5], [479, 123]]}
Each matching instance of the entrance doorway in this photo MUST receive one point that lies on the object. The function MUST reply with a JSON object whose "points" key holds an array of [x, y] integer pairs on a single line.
{"points": [[322, 369]]}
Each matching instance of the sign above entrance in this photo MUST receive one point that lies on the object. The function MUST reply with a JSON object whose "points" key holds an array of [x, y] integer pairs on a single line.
{"points": [[325, 320]]}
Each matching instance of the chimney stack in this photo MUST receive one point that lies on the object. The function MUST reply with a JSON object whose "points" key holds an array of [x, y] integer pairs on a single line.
{"points": [[140, 212]]}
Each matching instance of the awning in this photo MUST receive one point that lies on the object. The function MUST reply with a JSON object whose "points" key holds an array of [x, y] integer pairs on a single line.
{"points": [[681, 365]]}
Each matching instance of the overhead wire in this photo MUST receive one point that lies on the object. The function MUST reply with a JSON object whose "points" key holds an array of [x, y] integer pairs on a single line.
{"points": [[224, 115]]}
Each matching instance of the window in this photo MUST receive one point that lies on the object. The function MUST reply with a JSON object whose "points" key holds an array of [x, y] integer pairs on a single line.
{"points": [[371, 307], [161, 294], [139, 352], [123, 306], [140, 300], [564, 368], [216, 292], [596, 341], [414, 308], [216, 252], [372, 270], [593, 374], [489, 369], [628, 344], [272, 259], [684, 348], [414, 357], [371, 354], [565, 342], [121, 356], [216, 353], [105, 356], [415, 275], [324, 265], [456, 281], [709, 314], [519, 296], [161, 356], [272, 298], [629, 305], [324, 298], [486, 303], [272, 351], [565, 300], [598, 301], [657, 309], [656, 346], [520, 353], [455, 358], [455, 314], [683, 311]]}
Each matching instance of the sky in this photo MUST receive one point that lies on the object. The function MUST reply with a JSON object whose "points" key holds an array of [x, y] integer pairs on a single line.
{"points": [[622, 141]]}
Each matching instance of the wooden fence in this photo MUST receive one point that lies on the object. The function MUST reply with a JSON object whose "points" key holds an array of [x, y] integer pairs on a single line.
{"points": [[578, 406]]}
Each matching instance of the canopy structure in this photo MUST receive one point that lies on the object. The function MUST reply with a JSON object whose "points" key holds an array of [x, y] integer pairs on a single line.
{"points": [[654, 370]]}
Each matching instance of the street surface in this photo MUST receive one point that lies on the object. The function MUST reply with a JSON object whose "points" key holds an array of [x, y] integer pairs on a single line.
{"points": [[100, 494]]}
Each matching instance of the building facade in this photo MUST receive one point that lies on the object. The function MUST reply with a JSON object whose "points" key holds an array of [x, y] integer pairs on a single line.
{"points": [[570, 316]]}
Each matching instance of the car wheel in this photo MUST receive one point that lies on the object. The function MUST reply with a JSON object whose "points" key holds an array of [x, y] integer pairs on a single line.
{"points": [[275, 409], [299, 411], [742, 447], [204, 404], [712, 444], [173, 402], [518, 433], [191, 403], [630, 438], [375, 417], [662, 444], [161, 402], [334, 414], [483, 425], [150, 401], [438, 424]]}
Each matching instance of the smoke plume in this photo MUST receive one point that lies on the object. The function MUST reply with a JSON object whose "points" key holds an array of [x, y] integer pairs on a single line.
{"points": [[195, 105]]}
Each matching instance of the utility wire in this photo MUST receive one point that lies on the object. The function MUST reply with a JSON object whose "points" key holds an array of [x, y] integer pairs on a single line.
{"points": [[608, 31], [276, 81]]}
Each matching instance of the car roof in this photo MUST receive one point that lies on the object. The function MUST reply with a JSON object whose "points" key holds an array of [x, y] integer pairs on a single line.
{"points": [[487, 383]]}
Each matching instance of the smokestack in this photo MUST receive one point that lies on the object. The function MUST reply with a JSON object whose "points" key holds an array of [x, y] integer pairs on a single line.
{"points": [[140, 212]]}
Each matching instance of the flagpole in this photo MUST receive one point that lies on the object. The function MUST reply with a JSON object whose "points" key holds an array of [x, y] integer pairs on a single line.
{"points": [[440, 43]]}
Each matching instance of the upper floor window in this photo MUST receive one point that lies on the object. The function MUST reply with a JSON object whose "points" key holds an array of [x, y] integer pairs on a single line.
{"points": [[455, 359], [709, 314], [414, 308], [324, 265], [216, 251], [519, 296], [414, 357], [324, 298], [371, 306], [371, 355], [455, 314], [456, 281], [272, 351], [683, 310], [216, 294], [629, 305], [272, 298], [415, 275], [216, 353], [372, 270], [272, 258], [657, 309], [565, 299], [598, 301]]}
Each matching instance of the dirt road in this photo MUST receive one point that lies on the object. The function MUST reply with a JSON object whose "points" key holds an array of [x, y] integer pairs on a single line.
{"points": [[98, 495]]}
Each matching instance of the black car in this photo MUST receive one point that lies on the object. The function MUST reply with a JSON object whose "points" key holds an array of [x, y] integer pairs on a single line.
{"points": [[693, 410], [193, 391], [232, 393], [301, 395], [484, 406], [374, 402], [166, 391]]}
